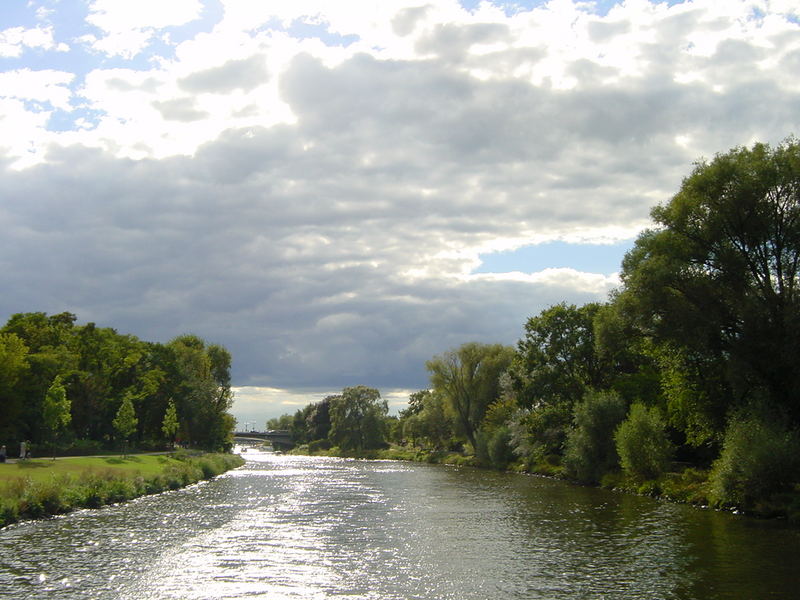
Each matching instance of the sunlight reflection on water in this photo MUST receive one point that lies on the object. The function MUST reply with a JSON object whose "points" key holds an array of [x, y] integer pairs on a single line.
{"points": [[286, 527]]}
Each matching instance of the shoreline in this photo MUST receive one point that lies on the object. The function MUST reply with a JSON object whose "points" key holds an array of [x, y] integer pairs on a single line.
{"points": [[684, 487], [31, 496]]}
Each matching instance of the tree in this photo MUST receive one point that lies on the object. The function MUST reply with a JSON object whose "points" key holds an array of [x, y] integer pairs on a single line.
{"points": [[125, 422], [556, 361], [642, 444], [13, 364], [55, 411], [718, 277], [201, 386], [760, 457], [357, 418], [468, 378], [590, 450], [170, 424], [282, 423]]}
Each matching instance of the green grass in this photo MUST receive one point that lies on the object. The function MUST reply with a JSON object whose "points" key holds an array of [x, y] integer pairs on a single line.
{"points": [[42, 487], [43, 469]]}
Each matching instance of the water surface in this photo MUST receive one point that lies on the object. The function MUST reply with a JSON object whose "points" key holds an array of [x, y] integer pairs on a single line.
{"points": [[299, 527]]}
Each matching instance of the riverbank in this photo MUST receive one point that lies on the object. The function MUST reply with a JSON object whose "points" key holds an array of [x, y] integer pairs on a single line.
{"points": [[37, 488], [685, 486]]}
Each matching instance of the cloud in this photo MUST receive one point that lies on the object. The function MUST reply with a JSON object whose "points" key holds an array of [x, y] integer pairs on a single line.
{"points": [[43, 86], [129, 27], [180, 109], [15, 40], [244, 74], [319, 209]]}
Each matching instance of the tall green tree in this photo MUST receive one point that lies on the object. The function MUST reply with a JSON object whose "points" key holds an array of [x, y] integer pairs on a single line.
{"points": [[358, 418], [170, 424], [13, 366], [556, 362], [200, 383], [469, 379], [56, 411], [719, 279], [125, 422]]}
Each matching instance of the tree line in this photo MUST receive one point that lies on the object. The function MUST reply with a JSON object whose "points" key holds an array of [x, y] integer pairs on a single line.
{"points": [[84, 388], [694, 361]]}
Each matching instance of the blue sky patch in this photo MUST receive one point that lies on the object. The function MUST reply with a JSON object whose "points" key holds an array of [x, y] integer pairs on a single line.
{"points": [[587, 258]]}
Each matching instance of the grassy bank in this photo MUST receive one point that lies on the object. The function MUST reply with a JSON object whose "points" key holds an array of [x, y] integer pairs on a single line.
{"points": [[38, 488]]}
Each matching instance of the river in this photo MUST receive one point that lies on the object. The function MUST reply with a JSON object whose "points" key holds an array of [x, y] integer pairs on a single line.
{"points": [[314, 528]]}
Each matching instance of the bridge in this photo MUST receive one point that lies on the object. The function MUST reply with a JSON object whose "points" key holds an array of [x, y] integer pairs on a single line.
{"points": [[280, 439]]}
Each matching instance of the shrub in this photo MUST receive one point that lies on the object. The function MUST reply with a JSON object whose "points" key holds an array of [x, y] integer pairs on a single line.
{"points": [[539, 432], [642, 444], [590, 451], [499, 448], [9, 512], [318, 445], [760, 457]]}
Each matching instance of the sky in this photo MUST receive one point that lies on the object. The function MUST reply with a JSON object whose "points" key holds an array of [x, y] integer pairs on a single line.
{"points": [[339, 191]]}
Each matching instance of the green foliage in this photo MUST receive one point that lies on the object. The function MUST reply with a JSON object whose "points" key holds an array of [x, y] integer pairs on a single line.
{"points": [[498, 448], [426, 422], [98, 367], [56, 410], [170, 424], [282, 423], [590, 449], [556, 361], [642, 444], [125, 422], [760, 458], [540, 433], [358, 419], [633, 371], [719, 277], [27, 498], [691, 384], [13, 365], [468, 378]]}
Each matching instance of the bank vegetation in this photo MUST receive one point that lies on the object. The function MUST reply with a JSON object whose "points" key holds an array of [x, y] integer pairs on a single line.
{"points": [[685, 384], [33, 489]]}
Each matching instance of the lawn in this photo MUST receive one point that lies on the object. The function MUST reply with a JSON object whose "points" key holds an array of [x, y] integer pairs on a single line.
{"points": [[44, 469], [41, 487]]}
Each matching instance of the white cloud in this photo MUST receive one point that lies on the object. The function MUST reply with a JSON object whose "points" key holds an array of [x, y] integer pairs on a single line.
{"points": [[45, 86], [319, 208], [15, 40], [130, 26]]}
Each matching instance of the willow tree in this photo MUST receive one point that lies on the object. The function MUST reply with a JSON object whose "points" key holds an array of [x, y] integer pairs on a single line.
{"points": [[358, 418], [468, 379]]}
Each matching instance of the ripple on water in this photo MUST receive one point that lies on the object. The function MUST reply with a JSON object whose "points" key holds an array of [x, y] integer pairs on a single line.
{"points": [[295, 527]]}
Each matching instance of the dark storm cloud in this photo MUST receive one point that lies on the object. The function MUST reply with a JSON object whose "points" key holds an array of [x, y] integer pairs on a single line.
{"points": [[324, 252]]}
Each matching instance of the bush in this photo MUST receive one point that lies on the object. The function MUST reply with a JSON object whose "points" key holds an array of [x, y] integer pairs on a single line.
{"points": [[642, 444], [499, 448], [760, 457], [83, 447], [318, 445], [539, 432], [590, 450]]}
